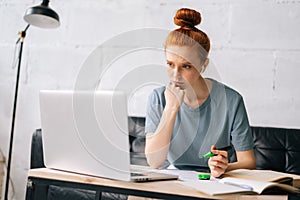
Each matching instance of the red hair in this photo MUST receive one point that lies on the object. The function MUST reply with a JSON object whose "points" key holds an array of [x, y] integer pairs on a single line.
{"points": [[188, 34]]}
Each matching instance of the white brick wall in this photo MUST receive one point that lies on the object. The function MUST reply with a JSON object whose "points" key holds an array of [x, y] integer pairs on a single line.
{"points": [[265, 25], [255, 49]]}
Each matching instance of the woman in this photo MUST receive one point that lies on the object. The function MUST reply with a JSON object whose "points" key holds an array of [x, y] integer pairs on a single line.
{"points": [[192, 114]]}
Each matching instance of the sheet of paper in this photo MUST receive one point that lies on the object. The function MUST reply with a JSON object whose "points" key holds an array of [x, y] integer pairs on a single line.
{"points": [[184, 175], [213, 187]]}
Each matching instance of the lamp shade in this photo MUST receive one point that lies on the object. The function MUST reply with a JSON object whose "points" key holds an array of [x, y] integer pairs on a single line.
{"points": [[42, 16]]}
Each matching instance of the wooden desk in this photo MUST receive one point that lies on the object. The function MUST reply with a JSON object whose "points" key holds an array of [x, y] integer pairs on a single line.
{"points": [[158, 189]]}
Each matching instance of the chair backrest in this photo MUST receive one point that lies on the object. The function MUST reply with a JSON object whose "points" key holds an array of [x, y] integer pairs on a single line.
{"points": [[277, 149], [37, 157]]}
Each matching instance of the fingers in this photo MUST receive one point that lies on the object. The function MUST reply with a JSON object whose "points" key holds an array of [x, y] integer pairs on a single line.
{"points": [[177, 84], [174, 96], [220, 160], [213, 147], [219, 163], [171, 85], [177, 91], [216, 172], [218, 152]]}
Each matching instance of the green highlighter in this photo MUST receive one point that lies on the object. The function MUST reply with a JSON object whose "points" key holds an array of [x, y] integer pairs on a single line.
{"points": [[203, 176], [210, 154]]}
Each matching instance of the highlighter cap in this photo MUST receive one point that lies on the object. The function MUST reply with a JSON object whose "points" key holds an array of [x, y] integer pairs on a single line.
{"points": [[203, 176]]}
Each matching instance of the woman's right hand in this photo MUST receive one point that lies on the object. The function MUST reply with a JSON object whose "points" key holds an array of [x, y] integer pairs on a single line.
{"points": [[174, 97]]}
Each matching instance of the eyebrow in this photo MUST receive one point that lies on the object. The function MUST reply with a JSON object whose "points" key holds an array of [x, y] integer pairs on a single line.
{"points": [[187, 63], [184, 63]]}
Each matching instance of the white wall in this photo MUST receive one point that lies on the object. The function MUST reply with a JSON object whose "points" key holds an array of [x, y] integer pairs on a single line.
{"points": [[255, 49]]}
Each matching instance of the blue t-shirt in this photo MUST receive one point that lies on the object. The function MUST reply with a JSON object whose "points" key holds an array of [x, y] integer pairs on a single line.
{"points": [[221, 120]]}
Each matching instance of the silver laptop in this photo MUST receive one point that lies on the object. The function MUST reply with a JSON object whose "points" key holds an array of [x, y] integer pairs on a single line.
{"points": [[87, 132]]}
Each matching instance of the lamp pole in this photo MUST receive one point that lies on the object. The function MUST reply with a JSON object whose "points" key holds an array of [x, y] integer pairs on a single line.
{"points": [[40, 16], [22, 35]]}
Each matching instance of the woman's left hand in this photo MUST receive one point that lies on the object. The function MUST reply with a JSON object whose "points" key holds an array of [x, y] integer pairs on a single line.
{"points": [[218, 163]]}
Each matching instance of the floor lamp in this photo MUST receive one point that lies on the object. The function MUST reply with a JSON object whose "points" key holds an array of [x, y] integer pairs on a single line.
{"points": [[44, 17]]}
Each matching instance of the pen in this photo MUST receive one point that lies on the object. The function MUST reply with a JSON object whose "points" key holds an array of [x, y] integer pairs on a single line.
{"points": [[247, 187], [210, 154]]}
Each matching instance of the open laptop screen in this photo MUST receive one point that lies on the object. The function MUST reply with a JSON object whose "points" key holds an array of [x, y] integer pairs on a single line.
{"points": [[86, 132]]}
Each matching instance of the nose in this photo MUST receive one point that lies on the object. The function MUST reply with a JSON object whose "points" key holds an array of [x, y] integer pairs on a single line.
{"points": [[176, 73]]}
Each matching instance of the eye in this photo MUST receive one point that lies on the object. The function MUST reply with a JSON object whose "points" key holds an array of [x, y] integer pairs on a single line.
{"points": [[187, 67], [169, 64]]}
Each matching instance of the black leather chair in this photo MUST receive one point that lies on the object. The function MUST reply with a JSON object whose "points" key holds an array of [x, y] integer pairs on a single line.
{"points": [[136, 126], [277, 149]]}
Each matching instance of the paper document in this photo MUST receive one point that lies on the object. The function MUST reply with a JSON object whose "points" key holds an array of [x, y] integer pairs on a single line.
{"points": [[184, 175], [237, 185], [265, 175]]}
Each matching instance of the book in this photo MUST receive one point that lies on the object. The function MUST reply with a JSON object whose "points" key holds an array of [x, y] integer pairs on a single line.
{"points": [[265, 175], [231, 185]]}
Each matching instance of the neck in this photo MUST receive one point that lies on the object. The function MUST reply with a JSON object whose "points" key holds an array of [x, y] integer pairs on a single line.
{"points": [[197, 93]]}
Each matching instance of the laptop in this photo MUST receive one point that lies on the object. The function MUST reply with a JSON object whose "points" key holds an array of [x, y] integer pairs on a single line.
{"points": [[86, 132]]}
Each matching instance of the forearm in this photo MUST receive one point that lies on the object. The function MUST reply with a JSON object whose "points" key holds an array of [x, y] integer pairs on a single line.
{"points": [[157, 144], [245, 160], [240, 165]]}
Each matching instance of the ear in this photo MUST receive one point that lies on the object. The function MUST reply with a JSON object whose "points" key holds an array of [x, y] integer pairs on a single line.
{"points": [[206, 62]]}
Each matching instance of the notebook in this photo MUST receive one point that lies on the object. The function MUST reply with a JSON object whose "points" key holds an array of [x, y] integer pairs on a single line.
{"points": [[87, 132]]}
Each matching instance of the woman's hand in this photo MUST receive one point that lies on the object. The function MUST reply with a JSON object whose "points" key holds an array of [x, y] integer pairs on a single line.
{"points": [[219, 163], [174, 97]]}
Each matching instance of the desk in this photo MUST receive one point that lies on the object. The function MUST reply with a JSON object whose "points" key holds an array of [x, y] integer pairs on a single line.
{"points": [[158, 189]]}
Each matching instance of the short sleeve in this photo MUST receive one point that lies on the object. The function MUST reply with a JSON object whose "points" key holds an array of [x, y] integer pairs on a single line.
{"points": [[241, 132], [155, 106]]}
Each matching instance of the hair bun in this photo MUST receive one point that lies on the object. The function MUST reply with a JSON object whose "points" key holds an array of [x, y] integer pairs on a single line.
{"points": [[186, 17]]}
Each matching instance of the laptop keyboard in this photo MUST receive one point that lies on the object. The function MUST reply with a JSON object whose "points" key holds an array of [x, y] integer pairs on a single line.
{"points": [[136, 174]]}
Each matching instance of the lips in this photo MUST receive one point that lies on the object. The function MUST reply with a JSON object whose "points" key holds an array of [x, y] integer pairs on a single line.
{"points": [[178, 84]]}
